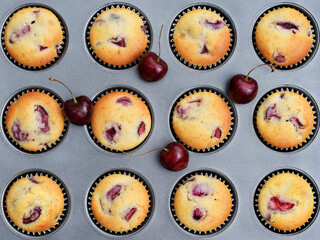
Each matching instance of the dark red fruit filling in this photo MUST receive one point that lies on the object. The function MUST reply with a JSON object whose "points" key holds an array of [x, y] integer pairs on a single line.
{"points": [[217, 133], [119, 41], [268, 217], [141, 128], [143, 29], [13, 37], [189, 180], [114, 16], [130, 213], [26, 29], [57, 47], [275, 203], [125, 101], [288, 25], [279, 57], [282, 95], [41, 48], [182, 111], [216, 25], [100, 21], [204, 50], [114, 192], [296, 123], [34, 215], [197, 214], [43, 118], [20, 136], [112, 133], [31, 179], [197, 100], [201, 190], [37, 13], [272, 112]]}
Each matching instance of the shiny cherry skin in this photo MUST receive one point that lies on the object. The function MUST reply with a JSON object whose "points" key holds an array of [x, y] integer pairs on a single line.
{"points": [[174, 157], [79, 113], [242, 90], [152, 67]]}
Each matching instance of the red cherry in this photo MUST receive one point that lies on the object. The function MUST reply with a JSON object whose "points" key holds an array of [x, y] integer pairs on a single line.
{"points": [[174, 157]]}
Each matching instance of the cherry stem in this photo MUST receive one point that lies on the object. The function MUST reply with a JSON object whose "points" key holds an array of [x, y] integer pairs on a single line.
{"points": [[158, 59], [136, 155], [55, 80], [270, 65]]}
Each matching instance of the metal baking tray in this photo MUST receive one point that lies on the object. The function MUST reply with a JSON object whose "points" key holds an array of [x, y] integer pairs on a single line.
{"points": [[245, 160]]}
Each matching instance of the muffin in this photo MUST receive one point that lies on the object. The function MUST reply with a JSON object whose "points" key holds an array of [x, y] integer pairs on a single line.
{"points": [[35, 203], [33, 36], [285, 119], [120, 121], [120, 202], [202, 203], [201, 120], [35, 121], [201, 37], [286, 201], [284, 36], [118, 37]]}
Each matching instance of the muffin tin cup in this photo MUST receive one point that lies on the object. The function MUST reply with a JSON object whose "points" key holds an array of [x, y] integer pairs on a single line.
{"points": [[314, 31], [63, 45], [227, 19], [315, 110], [315, 191], [63, 217], [232, 108], [211, 173], [106, 232], [108, 6], [15, 97], [127, 89]]}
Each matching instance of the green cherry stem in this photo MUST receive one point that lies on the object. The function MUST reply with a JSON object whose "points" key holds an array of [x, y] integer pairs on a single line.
{"points": [[55, 80], [136, 155], [270, 65]]}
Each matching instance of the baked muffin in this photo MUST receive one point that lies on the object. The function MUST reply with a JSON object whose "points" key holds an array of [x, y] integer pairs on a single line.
{"points": [[118, 37], [201, 37], [120, 202], [120, 121], [35, 203], [201, 120], [33, 36], [35, 121], [285, 119], [284, 36], [202, 203], [286, 201]]}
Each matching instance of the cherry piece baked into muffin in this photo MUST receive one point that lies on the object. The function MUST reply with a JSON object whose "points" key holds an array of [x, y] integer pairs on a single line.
{"points": [[118, 36], [202, 203], [284, 36], [120, 202], [33, 36], [120, 121], [35, 203], [285, 119], [201, 37], [35, 121], [286, 201], [201, 120]]}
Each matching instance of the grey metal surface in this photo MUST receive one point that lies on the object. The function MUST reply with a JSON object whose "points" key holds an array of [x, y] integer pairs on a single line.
{"points": [[245, 160]]}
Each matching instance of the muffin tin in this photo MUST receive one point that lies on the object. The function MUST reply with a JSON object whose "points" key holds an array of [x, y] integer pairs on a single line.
{"points": [[78, 160]]}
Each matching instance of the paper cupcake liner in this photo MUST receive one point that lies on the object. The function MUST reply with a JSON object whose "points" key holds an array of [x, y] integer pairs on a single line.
{"points": [[315, 111], [63, 44], [130, 232], [14, 98], [314, 31], [210, 173], [134, 9], [63, 217], [126, 89], [315, 191], [234, 118], [226, 18]]}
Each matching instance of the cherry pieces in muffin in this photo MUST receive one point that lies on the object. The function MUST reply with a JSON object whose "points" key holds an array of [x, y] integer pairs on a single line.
{"points": [[286, 201], [285, 119], [33, 36], [118, 36], [35, 203], [121, 121], [120, 202], [201, 120], [284, 36], [201, 37], [202, 203], [35, 121]]}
